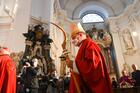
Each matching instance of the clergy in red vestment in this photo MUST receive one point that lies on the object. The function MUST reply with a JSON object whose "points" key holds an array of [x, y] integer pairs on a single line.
{"points": [[89, 72], [7, 72]]}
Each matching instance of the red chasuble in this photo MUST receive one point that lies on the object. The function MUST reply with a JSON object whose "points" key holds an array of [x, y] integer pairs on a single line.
{"points": [[7, 75], [93, 76]]}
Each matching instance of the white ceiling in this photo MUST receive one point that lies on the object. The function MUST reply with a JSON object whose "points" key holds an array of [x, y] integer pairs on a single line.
{"points": [[107, 8]]}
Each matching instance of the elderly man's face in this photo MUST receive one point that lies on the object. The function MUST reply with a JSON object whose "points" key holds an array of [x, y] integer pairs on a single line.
{"points": [[134, 67], [76, 40]]}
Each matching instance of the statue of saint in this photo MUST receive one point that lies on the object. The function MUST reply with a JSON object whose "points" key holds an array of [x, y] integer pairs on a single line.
{"points": [[127, 38], [94, 33]]}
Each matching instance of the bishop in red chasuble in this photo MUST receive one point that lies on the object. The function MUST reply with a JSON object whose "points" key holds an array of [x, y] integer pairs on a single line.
{"points": [[7, 72], [89, 72]]}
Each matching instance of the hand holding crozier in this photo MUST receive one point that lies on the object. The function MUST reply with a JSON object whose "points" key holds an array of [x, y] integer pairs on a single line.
{"points": [[68, 61]]}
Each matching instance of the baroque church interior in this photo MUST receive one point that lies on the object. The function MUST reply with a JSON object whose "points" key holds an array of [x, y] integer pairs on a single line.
{"points": [[40, 28]]}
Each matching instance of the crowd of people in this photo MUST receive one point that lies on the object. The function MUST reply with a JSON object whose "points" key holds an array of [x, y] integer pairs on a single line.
{"points": [[46, 84], [128, 80]]}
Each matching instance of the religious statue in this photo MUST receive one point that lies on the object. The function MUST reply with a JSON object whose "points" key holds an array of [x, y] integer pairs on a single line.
{"points": [[51, 66], [16, 58], [94, 33], [127, 38], [37, 49], [37, 45]]}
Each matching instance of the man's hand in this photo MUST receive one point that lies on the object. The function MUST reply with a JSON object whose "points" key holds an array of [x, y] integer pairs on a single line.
{"points": [[69, 62], [27, 64]]}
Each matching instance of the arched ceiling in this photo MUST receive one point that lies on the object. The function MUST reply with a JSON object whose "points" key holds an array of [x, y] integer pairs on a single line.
{"points": [[76, 8]]}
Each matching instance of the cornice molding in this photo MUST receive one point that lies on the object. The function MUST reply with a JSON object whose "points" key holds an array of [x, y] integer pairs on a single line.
{"points": [[5, 22]]}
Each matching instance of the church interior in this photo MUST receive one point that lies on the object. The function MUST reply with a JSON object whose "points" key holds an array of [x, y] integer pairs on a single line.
{"points": [[40, 29]]}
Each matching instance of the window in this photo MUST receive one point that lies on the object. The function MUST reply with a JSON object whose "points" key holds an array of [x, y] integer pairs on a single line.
{"points": [[89, 18]]}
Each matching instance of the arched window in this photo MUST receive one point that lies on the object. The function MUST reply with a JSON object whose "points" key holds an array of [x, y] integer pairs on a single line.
{"points": [[90, 18]]}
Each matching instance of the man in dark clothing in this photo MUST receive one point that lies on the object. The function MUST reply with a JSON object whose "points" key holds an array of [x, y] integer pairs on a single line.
{"points": [[31, 77], [136, 75], [114, 83]]}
